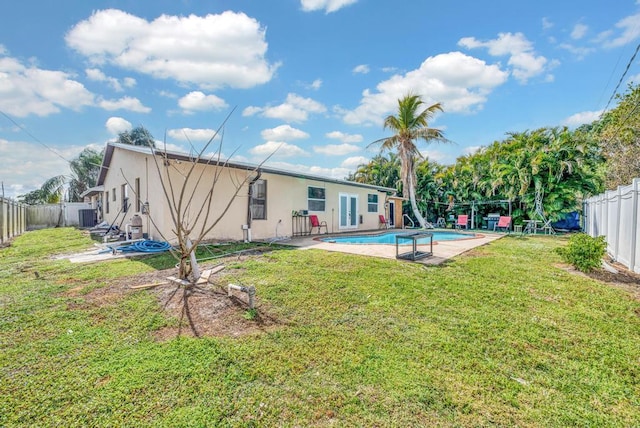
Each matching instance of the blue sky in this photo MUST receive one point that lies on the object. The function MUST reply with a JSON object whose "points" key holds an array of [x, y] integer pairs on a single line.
{"points": [[312, 78]]}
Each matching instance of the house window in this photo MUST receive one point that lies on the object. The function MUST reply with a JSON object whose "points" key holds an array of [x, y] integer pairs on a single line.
{"points": [[106, 199], [259, 200], [316, 198], [124, 193], [372, 203], [113, 194], [137, 195]]}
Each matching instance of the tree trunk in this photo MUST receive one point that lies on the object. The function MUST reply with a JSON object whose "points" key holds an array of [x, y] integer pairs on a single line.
{"points": [[414, 205]]}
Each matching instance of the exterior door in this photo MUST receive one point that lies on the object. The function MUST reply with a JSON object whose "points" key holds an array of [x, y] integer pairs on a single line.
{"points": [[391, 218], [348, 211]]}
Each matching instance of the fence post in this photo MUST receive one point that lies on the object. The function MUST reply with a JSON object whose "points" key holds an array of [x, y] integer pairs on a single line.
{"points": [[634, 224], [10, 219], [618, 228], [3, 221]]}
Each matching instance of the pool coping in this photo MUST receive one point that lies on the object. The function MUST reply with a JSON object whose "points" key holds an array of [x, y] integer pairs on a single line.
{"points": [[442, 250]]}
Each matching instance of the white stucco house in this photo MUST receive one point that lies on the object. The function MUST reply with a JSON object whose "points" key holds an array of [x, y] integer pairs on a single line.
{"points": [[270, 203]]}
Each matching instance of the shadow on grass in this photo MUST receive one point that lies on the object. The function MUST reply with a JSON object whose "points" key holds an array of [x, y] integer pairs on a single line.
{"points": [[211, 252]]}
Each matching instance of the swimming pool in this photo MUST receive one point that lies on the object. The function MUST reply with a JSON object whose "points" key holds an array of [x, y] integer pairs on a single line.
{"points": [[390, 238]]}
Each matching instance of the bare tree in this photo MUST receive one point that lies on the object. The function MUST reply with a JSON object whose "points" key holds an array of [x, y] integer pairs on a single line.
{"points": [[194, 211]]}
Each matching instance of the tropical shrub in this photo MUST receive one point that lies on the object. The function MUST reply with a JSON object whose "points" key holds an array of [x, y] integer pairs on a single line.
{"points": [[584, 252]]}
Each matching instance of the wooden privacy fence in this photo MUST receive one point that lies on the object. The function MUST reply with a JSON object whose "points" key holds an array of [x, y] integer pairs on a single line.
{"points": [[13, 219], [615, 215]]}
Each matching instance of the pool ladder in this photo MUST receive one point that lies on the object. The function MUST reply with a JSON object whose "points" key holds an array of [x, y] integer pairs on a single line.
{"points": [[404, 226]]}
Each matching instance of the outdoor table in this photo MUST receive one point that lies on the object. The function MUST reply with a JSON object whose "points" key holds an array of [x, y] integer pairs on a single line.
{"points": [[414, 254]]}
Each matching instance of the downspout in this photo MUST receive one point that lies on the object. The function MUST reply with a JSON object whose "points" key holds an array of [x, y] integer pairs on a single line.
{"points": [[250, 194]]}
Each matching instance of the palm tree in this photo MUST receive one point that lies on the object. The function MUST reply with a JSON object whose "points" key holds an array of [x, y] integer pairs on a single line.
{"points": [[409, 125], [84, 172], [50, 192]]}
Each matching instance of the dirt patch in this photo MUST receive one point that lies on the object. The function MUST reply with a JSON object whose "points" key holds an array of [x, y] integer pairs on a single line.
{"points": [[204, 311], [623, 278]]}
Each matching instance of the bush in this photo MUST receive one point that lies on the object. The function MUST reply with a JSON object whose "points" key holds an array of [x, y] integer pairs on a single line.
{"points": [[584, 252]]}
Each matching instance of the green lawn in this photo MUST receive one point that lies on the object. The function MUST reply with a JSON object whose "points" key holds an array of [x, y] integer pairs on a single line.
{"points": [[498, 337]]}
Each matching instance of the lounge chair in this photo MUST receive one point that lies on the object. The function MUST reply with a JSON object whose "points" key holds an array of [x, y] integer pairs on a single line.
{"points": [[462, 221], [504, 224], [384, 223], [317, 223]]}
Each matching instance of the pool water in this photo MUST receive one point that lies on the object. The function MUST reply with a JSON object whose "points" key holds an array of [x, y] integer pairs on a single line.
{"points": [[390, 238]]}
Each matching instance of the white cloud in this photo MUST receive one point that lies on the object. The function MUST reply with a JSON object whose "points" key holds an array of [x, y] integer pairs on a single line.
{"points": [[328, 5], [582, 118], [460, 82], [336, 149], [116, 125], [283, 133], [635, 78], [629, 30], [294, 109], [198, 101], [546, 23], [189, 134], [228, 49], [361, 69], [26, 166], [338, 173], [277, 149], [316, 84], [579, 31], [436, 155], [579, 51], [129, 82], [30, 90], [354, 162], [523, 60], [167, 94], [124, 103], [471, 150], [97, 75], [345, 138]]}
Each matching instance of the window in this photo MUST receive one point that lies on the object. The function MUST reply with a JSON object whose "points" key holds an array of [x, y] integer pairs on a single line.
{"points": [[113, 193], [372, 203], [106, 199], [316, 198], [137, 195], [124, 193], [259, 200]]}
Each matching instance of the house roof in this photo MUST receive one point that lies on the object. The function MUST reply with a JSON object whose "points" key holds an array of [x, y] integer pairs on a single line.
{"points": [[108, 154], [92, 191]]}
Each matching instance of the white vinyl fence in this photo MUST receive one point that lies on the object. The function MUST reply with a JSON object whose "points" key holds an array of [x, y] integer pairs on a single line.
{"points": [[13, 219], [615, 215]]}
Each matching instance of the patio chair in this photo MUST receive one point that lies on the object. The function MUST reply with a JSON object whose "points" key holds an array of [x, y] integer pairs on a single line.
{"points": [[462, 221], [504, 224], [317, 223], [384, 223]]}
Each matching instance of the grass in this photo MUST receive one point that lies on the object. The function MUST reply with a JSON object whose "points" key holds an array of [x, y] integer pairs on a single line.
{"points": [[500, 336]]}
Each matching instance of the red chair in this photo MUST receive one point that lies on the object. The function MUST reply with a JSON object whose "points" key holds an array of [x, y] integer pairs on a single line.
{"points": [[317, 223], [504, 223], [462, 221], [383, 222]]}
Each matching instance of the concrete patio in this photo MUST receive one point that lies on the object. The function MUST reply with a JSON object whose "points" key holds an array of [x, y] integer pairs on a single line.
{"points": [[442, 250]]}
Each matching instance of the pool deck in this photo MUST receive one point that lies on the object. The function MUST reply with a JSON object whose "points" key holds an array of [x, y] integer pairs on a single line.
{"points": [[442, 250]]}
